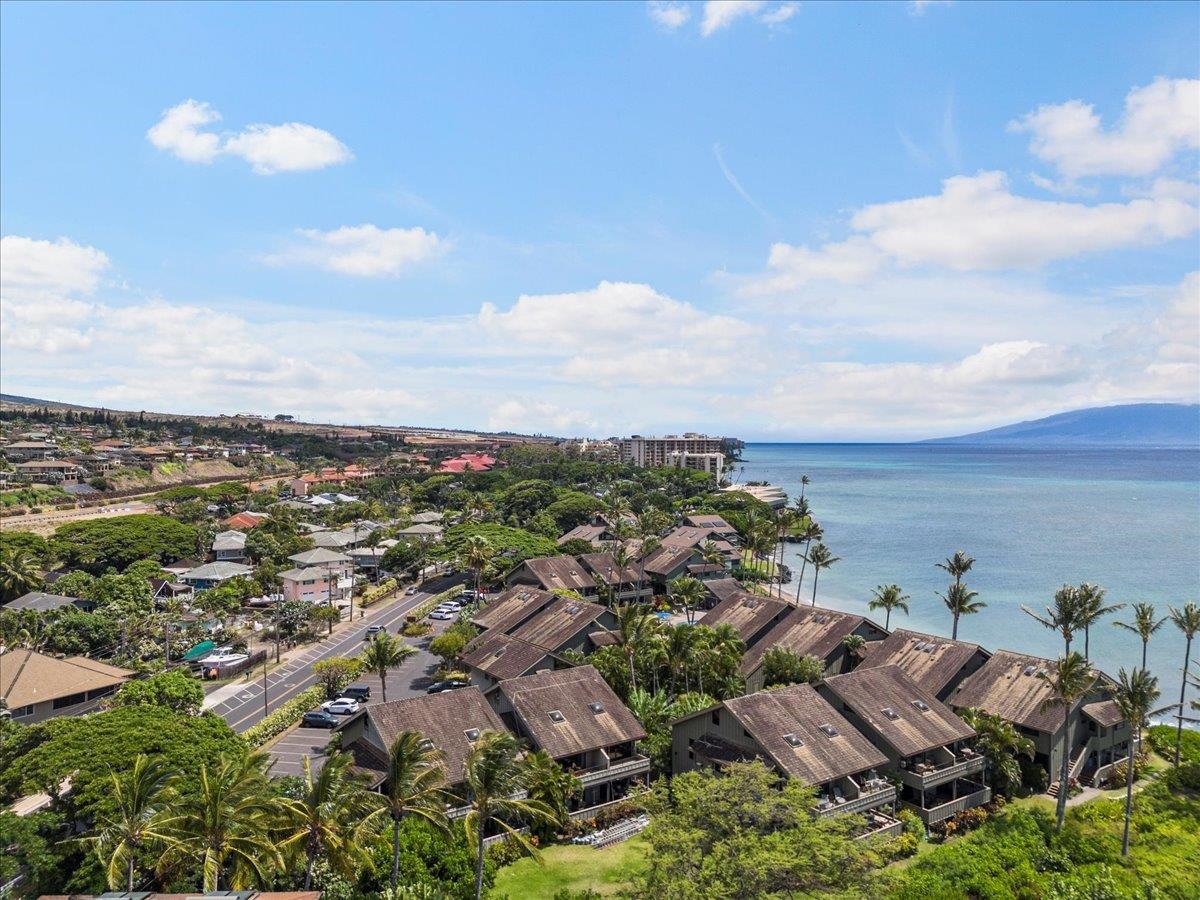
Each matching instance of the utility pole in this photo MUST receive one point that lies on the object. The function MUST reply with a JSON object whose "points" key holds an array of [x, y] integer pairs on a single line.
{"points": [[265, 661], [278, 603]]}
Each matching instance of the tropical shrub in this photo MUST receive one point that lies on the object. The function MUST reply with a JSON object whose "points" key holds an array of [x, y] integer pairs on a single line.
{"points": [[285, 717]]}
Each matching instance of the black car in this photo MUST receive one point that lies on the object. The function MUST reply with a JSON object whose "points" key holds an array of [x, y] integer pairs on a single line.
{"points": [[452, 685], [359, 692], [318, 719]]}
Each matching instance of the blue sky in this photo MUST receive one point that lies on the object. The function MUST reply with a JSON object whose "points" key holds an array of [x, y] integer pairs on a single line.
{"points": [[776, 220]]}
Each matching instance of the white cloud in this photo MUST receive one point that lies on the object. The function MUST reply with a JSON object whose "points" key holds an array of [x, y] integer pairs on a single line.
{"points": [[977, 223], [529, 415], [362, 250], [670, 15], [290, 147], [31, 266], [1159, 120], [720, 14], [779, 14]]}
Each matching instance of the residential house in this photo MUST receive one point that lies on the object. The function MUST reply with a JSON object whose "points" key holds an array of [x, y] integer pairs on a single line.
{"points": [[41, 602], [563, 625], [309, 583], [718, 590], [693, 536], [1013, 686], [19, 450], [750, 615], [622, 585], [52, 470], [595, 532], [929, 748], [210, 575], [338, 569], [714, 524], [554, 573], [798, 733], [229, 546], [164, 589], [810, 631], [429, 517], [181, 567], [425, 532], [937, 664], [665, 564], [494, 656], [246, 520], [576, 718], [511, 608], [36, 687]]}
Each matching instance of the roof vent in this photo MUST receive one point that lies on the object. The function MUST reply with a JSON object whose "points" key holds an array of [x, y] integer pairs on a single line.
{"points": [[793, 740], [596, 707], [571, 609], [499, 653], [921, 705], [930, 647], [820, 618], [919, 645], [890, 713], [829, 730], [1029, 670], [750, 603], [556, 716], [472, 735]]}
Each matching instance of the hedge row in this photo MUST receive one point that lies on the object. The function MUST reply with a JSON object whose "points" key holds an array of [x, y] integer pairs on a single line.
{"points": [[378, 592], [285, 717], [428, 606]]}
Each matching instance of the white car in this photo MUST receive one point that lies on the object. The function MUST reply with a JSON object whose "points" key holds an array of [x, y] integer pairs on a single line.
{"points": [[452, 605], [442, 615], [342, 706]]}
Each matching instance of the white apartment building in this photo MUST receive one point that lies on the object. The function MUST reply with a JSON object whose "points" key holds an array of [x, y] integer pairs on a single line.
{"points": [[655, 452], [712, 463]]}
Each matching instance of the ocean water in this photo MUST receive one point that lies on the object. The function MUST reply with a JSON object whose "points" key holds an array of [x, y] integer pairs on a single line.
{"points": [[1033, 518]]}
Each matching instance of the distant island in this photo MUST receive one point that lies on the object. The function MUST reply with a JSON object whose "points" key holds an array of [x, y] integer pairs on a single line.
{"points": [[1128, 425]]}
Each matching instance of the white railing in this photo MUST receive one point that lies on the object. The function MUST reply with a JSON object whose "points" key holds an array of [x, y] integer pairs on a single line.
{"points": [[861, 803], [1103, 774], [622, 769]]}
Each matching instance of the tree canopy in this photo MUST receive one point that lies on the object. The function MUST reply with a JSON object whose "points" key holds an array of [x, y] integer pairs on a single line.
{"points": [[96, 545]]}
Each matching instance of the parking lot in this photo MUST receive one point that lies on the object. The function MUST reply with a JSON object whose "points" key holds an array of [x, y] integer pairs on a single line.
{"points": [[293, 746]]}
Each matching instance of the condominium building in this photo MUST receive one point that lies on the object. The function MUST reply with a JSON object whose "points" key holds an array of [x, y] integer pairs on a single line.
{"points": [[652, 452], [712, 463]]}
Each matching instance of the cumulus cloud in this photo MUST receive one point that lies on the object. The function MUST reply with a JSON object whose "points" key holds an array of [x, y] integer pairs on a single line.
{"points": [[977, 223], [720, 14], [290, 147], [362, 250], [42, 289], [1160, 120], [669, 15]]}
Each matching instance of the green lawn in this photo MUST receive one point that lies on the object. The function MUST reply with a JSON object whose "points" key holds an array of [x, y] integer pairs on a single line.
{"points": [[571, 867]]}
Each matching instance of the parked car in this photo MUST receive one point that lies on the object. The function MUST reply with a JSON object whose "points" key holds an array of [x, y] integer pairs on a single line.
{"points": [[318, 719], [468, 595], [412, 590], [452, 605], [442, 615], [342, 706], [452, 685], [359, 692], [373, 630]]}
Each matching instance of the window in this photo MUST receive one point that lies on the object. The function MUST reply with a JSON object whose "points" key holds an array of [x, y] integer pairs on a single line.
{"points": [[829, 730], [471, 733], [890, 713], [793, 740], [716, 717], [596, 707], [23, 711], [921, 705], [556, 716], [60, 702]]}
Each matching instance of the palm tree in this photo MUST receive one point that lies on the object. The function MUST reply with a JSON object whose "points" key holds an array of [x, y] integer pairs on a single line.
{"points": [[712, 554], [384, 652], [414, 787], [329, 815], [1186, 620], [1064, 617], [820, 557], [1091, 608], [495, 776], [551, 784], [622, 560], [805, 481], [1144, 625], [960, 600], [136, 822], [476, 552], [1136, 694], [957, 565], [888, 597], [635, 625], [680, 641], [227, 822], [18, 574], [854, 644], [688, 591], [809, 533], [1071, 679], [1001, 744]]}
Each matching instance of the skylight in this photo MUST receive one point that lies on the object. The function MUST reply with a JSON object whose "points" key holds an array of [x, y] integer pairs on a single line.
{"points": [[556, 716], [829, 730], [793, 740], [596, 707], [890, 713], [921, 705], [472, 734]]}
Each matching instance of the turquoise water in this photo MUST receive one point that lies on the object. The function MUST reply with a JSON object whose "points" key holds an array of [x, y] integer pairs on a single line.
{"points": [[1033, 519]]}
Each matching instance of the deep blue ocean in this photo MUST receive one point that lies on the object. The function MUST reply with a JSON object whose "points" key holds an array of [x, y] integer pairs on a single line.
{"points": [[1034, 518]]}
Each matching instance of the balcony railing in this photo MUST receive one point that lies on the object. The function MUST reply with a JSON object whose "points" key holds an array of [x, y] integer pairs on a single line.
{"points": [[931, 778], [861, 803], [621, 769], [934, 814], [890, 828]]}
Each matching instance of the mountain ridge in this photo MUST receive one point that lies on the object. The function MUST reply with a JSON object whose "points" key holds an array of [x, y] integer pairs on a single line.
{"points": [[1122, 425]]}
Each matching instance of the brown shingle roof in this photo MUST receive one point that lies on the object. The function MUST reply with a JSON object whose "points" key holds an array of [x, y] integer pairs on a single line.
{"points": [[688, 536], [500, 656], [1104, 712], [443, 718], [747, 613], [909, 729], [29, 677], [666, 560], [1002, 688], [593, 534], [930, 661], [710, 522], [604, 568], [592, 716], [799, 712], [724, 588], [809, 630], [559, 622], [512, 607], [564, 572]]}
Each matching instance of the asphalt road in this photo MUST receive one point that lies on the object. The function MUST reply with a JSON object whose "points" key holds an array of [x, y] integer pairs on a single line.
{"points": [[245, 708]]}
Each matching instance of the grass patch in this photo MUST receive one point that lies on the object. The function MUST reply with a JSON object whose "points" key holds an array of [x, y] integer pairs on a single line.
{"points": [[572, 868]]}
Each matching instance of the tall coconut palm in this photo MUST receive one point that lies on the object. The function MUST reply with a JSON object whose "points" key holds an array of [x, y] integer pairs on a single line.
{"points": [[957, 565], [18, 574], [1001, 744], [688, 591], [1135, 696], [551, 784], [476, 552], [888, 597], [415, 786], [227, 823], [820, 557], [960, 600], [1069, 680], [1144, 625], [327, 818], [854, 644], [805, 481], [1091, 609], [495, 776], [635, 625], [1064, 616], [385, 652], [1186, 620], [622, 560], [138, 820], [808, 533], [712, 554], [679, 644]]}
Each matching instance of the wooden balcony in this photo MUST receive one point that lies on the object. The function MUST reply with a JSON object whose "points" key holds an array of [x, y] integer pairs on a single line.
{"points": [[934, 814], [931, 778], [623, 769], [861, 803]]}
